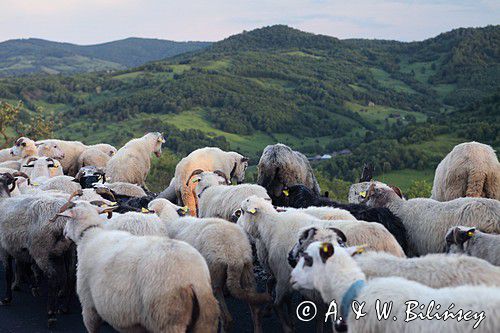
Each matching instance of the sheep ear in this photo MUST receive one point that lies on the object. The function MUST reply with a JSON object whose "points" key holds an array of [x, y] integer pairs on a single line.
{"points": [[354, 250], [244, 159], [326, 250], [397, 190], [183, 211], [68, 213], [307, 234], [340, 234]]}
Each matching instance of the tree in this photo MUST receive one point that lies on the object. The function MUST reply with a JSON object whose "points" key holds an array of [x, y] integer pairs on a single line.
{"points": [[8, 116]]}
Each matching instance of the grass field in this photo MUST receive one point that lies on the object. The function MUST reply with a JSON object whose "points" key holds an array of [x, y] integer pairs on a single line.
{"points": [[404, 178], [381, 112], [386, 81]]}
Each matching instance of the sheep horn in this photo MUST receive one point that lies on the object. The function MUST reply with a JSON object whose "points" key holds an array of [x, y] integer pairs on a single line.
{"points": [[22, 174], [194, 173], [223, 175]]}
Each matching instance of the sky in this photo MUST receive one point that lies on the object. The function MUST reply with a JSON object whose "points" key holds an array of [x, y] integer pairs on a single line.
{"points": [[96, 21]]}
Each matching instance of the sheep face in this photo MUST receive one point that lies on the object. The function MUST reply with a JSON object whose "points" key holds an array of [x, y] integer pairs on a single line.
{"points": [[167, 210], [251, 208], [159, 140], [23, 146], [82, 215], [207, 179], [7, 184], [314, 234], [457, 236], [240, 167], [51, 150], [321, 263]]}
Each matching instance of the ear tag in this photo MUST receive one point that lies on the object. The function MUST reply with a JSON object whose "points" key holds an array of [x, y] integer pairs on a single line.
{"points": [[252, 211], [195, 181], [35, 184], [286, 193], [470, 233], [362, 194], [185, 209], [325, 248], [144, 210]]}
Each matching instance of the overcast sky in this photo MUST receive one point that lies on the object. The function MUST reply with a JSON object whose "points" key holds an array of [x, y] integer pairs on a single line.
{"points": [[96, 21]]}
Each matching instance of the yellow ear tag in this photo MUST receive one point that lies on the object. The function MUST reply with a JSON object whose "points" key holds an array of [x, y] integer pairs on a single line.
{"points": [[252, 211], [195, 181], [185, 208], [325, 248], [113, 203], [35, 184], [470, 233], [144, 210], [362, 194], [286, 193]]}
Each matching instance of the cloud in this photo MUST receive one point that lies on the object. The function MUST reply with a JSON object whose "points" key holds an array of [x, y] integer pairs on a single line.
{"points": [[92, 21]]}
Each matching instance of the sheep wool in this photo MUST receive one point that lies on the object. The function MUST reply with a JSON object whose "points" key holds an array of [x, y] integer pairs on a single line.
{"points": [[132, 162], [471, 169], [232, 164], [280, 167]]}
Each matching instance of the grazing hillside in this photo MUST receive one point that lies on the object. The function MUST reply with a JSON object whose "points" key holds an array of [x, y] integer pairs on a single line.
{"points": [[27, 56], [398, 105]]}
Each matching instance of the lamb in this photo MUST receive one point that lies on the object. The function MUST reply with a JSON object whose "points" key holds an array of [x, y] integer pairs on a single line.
{"points": [[428, 220], [474, 243], [433, 270], [216, 199], [30, 232], [281, 167], [138, 283], [333, 272], [232, 164], [275, 235], [132, 162], [299, 196], [217, 239], [93, 157], [471, 169]]}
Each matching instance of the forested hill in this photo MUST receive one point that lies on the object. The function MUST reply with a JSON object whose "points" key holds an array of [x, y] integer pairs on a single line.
{"points": [[25, 56], [401, 106]]}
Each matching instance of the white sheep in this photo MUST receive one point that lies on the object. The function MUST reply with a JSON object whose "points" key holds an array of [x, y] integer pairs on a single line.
{"points": [[433, 270], [41, 168], [217, 199], [226, 249], [5, 155], [232, 164], [139, 224], [93, 157], [138, 283], [132, 162], [323, 213], [428, 220], [474, 243], [471, 169], [123, 189], [71, 152], [275, 235], [333, 272]]}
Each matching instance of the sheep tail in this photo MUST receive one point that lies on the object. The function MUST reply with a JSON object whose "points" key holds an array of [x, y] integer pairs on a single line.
{"points": [[233, 282], [475, 184], [204, 314]]}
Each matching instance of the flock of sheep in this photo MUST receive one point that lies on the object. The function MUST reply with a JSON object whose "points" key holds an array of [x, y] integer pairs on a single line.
{"points": [[82, 216]]}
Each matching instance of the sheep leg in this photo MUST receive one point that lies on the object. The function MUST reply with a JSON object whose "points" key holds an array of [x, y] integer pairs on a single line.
{"points": [[8, 280], [226, 318], [256, 313], [54, 274], [70, 280], [282, 298], [35, 280], [91, 319]]}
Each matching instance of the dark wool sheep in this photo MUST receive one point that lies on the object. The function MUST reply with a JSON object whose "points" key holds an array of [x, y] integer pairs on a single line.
{"points": [[299, 196], [281, 167], [126, 203]]}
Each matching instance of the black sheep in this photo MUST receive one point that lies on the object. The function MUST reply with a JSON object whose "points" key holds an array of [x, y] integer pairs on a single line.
{"points": [[299, 196]]}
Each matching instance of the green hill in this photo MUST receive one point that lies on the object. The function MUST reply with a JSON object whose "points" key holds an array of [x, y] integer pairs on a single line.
{"points": [[27, 56], [401, 106]]}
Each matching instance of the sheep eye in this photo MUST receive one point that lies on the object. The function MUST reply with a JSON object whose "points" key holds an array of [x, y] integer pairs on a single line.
{"points": [[308, 260]]}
